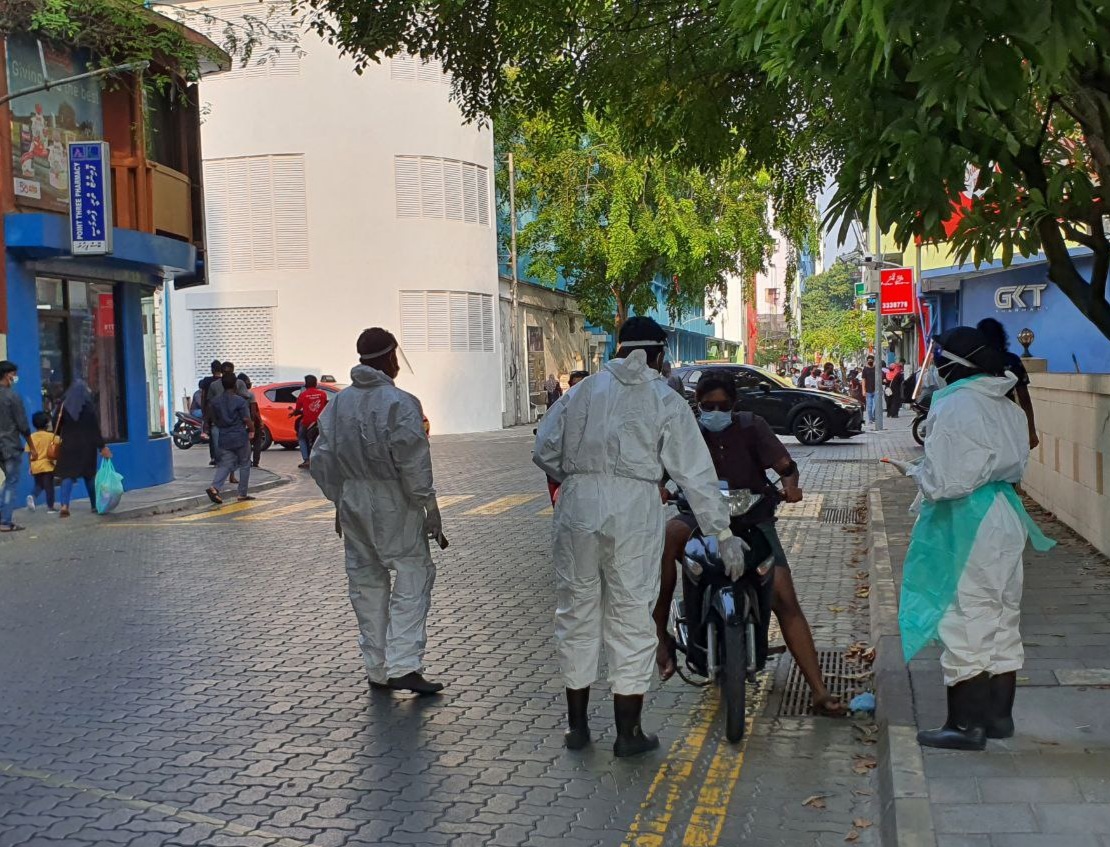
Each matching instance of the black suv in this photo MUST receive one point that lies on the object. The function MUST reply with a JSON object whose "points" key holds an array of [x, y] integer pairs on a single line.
{"points": [[813, 417]]}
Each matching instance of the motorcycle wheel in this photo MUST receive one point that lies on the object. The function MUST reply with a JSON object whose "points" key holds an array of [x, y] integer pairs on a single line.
{"points": [[918, 425], [734, 673], [181, 438]]}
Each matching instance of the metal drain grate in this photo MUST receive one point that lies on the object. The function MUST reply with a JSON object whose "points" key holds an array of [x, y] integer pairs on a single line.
{"points": [[841, 461], [844, 680], [843, 515]]}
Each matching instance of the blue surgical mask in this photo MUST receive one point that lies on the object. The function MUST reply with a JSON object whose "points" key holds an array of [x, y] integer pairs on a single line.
{"points": [[716, 421]]}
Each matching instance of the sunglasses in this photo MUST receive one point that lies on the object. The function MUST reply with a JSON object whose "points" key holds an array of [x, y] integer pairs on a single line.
{"points": [[720, 406]]}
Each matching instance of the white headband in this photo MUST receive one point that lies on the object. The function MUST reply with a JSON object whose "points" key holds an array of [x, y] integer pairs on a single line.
{"points": [[641, 343], [369, 357], [944, 354]]}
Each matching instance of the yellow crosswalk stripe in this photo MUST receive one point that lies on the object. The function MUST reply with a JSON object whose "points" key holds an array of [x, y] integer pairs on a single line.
{"points": [[452, 500], [503, 504], [226, 509], [282, 511]]}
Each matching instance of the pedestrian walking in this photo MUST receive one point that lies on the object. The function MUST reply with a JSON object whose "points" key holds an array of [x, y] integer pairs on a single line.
{"points": [[13, 432], [812, 379], [214, 391], [855, 386], [999, 340], [79, 428], [372, 459], [231, 413], [553, 390], [869, 387], [828, 380], [609, 443], [895, 383], [256, 418], [204, 386], [673, 379], [45, 443], [963, 571], [310, 404]]}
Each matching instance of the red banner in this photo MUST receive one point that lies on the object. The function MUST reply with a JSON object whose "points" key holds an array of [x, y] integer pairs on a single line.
{"points": [[105, 316], [897, 293]]}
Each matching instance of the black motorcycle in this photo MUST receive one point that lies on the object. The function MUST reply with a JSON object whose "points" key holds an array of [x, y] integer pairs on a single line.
{"points": [[721, 626], [920, 408], [188, 431]]}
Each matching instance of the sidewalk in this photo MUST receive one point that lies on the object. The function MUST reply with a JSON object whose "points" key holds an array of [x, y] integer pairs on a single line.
{"points": [[192, 475], [1050, 784]]}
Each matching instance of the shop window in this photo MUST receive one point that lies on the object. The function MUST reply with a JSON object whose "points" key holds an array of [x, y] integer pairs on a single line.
{"points": [[153, 364], [78, 339]]}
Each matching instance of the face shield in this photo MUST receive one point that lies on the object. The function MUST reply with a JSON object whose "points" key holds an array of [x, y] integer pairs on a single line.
{"points": [[402, 360]]}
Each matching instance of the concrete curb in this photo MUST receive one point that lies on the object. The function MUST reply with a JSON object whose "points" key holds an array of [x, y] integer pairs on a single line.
{"points": [[905, 818], [192, 501]]}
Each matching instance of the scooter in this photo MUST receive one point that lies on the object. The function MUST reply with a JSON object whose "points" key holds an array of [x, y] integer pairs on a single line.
{"points": [[921, 412], [721, 626], [188, 431]]}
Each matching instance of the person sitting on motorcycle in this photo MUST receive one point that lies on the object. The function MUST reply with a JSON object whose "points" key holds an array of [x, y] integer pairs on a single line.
{"points": [[743, 448]]}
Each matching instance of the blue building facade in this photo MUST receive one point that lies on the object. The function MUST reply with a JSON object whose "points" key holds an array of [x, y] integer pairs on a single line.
{"points": [[92, 318], [1023, 297]]}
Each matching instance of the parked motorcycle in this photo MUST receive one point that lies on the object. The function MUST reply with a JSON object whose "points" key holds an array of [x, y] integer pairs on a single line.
{"points": [[188, 431], [920, 408], [719, 625]]}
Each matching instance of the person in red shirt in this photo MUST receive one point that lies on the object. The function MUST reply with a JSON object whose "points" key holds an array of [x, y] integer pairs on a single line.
{"points": [[310, 403]]}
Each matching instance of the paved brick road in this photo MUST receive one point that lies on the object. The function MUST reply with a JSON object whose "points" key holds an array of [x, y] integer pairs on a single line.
{"points": [[195, 680]]}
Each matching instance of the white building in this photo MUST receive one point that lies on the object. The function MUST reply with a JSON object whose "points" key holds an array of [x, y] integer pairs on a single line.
{"points": [[335, 202]]}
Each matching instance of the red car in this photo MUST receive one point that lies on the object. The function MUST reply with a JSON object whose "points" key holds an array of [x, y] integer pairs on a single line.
{"points": [[276, 401]]}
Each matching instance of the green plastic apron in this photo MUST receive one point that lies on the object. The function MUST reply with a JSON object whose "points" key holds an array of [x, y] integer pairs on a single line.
{"points": [[939, 549]]}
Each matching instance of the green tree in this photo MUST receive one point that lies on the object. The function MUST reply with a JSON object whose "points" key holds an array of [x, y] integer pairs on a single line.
{"points": [[832, 324], [899, 96], [611, 221]]}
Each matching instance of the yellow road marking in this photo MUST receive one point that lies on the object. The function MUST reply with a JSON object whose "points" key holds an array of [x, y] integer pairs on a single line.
{"points": [[164, 809], [503, 504], [708, 818], [546, 512], [452, 500], [220, 511], [650, 825], [282, 511]]}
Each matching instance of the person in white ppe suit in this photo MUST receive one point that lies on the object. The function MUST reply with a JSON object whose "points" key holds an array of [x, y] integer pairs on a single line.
{"points": [[373, 461], [962, 579], [609, 442]]}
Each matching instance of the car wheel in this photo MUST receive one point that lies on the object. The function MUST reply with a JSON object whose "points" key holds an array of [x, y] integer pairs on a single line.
{"points": [[811, 426], [267, 438]]}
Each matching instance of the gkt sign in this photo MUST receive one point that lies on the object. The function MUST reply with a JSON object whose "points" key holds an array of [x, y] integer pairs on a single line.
{"points": [[1010, 297]]}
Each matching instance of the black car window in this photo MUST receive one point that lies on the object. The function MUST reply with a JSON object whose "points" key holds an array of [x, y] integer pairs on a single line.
{"points": [[285, 394], [691, 377], [746, 380]]}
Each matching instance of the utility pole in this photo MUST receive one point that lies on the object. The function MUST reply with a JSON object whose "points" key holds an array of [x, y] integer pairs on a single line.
{"points": [[876, 264], [514, 360]]}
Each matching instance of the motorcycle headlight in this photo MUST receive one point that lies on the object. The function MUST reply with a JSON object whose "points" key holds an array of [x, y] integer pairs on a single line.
{"points": [[765, 566]]}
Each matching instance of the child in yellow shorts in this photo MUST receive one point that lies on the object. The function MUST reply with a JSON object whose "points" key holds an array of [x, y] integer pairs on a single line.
{"points": [[42, 467]]}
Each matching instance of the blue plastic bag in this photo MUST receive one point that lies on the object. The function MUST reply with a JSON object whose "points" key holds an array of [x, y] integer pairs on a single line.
{"points": [[109, 487]]}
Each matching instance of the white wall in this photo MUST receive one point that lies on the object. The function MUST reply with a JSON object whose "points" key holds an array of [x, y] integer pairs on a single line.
{"points": [[360, 255]]}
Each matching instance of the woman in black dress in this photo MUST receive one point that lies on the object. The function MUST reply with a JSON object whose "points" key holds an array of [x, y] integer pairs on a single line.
{"points": [[81, 441]]}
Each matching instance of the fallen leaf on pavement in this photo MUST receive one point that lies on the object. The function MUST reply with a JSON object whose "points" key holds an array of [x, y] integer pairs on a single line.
{"points": [[817, 801], [836, 608], [861, 823], [863, 764], [852, 836], [862, 792]]}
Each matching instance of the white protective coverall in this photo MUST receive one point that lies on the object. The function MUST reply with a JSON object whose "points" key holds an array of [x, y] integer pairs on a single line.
{"points": [[978, 436], [373, 461], [609, 441]]}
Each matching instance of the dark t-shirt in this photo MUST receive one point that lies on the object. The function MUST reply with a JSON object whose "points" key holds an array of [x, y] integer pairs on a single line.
{"points": [[230, 413], [1015, 366], [869, 379], [741, 455]]}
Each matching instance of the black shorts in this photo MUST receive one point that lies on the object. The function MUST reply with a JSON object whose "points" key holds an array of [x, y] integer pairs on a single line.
{"points": [[766, 527]]}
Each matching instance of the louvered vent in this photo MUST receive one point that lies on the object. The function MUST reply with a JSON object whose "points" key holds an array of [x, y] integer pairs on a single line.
{"points": [[243, 336], [271, 29], [441, 189], [447, 321]]}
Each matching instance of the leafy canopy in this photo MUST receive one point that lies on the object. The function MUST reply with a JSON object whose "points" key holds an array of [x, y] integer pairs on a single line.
{"points": [[831, 322], [612, 221], [902, 96]]}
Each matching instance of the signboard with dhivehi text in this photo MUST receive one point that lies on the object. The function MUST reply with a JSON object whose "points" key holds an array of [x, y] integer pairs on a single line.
{"points": [[90, 199], [896, 291]]}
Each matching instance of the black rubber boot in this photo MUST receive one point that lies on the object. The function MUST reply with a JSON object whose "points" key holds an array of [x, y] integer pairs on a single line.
{"points": [[1000, 723], [631, 740], [415, 682], [968, 709], [577, 735]]}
